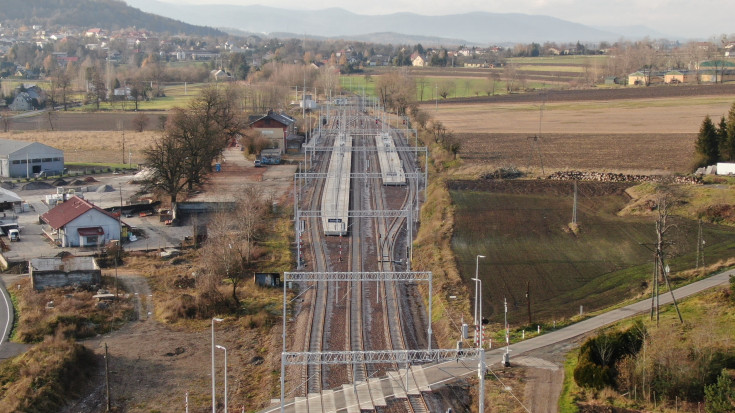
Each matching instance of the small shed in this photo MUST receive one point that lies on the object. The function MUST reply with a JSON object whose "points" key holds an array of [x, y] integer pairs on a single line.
{"points": [[725, 168], [270, 156], [58, 272], [268, 279], [294, 143]]}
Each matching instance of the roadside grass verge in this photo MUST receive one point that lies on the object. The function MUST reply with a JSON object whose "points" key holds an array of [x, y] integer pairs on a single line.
{"points": [[46, 376], [567, 400], [672, 350], [98, 165]]}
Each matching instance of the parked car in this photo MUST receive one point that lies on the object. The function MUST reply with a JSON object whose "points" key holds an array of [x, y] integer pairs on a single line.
{"points": [[14, 235]]}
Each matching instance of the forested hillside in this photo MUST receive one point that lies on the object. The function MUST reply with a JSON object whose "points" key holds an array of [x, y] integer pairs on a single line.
{"points": [[106, 14]]}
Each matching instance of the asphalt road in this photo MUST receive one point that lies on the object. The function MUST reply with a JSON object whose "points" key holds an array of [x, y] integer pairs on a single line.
{"points": [[441, 373]]}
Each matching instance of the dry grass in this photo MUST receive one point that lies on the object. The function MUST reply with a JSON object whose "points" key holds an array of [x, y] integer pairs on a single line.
{"points": [[86, 146], [45, 377], [75, 314], [432, 252]]}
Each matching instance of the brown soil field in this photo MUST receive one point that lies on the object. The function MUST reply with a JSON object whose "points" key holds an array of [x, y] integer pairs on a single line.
{"points": [[81, 121], [626, 153], [639, 129]]}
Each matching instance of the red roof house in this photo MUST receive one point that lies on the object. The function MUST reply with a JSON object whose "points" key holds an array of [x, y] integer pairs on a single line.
{"points": [[78, 223]]}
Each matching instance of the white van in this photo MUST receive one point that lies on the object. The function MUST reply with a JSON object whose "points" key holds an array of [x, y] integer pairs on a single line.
{"points": [[14, 235]]}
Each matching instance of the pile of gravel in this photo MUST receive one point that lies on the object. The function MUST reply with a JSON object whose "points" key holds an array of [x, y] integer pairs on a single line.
{"points": [[7, 185], [90, 179], [37, 185], [76, 182], [60, 182], [104, 188]]}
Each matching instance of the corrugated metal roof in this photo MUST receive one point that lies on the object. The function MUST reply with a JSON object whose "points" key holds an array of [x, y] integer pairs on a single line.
{"points": [[70, 210], [8, 146]]}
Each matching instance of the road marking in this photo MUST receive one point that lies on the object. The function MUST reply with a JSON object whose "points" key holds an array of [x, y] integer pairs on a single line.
{"points": [[7, 324]]}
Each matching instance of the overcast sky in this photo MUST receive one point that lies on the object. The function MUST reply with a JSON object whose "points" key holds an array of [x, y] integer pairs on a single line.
{"points": [[675, 18]]}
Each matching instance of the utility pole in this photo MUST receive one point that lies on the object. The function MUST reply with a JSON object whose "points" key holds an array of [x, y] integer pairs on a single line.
{"points": [[574, 207], [107, 377], [662, 268], [528, 301], [700, 247]]}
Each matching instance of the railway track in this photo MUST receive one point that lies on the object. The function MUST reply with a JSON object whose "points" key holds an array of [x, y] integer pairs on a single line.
{"points": [[365, 308]]}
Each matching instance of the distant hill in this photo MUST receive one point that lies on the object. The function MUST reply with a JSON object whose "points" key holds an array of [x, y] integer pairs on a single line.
{"points": [[106, 14], [473, 28]]}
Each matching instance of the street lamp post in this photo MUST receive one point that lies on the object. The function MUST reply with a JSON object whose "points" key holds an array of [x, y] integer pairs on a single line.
{"points": [[225, 350], [477, 277], [506, 357], [479, 325], [214, 397]]}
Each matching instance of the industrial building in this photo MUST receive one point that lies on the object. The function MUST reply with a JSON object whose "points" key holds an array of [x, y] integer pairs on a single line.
{"points": [[19, 159]]}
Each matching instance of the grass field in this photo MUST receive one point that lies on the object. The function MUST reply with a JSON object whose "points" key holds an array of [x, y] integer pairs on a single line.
{"points": [[523, 231], [463, 86], [177, 95]]}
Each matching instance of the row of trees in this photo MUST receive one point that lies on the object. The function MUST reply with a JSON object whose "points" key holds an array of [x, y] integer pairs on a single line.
{"points": [[716, 142]]}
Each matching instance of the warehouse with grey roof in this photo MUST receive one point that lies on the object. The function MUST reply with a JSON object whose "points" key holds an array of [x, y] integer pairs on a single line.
{"points": [[19, 159]]}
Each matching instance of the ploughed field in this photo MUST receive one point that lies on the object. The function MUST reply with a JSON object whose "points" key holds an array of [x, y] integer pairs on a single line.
{"points": [[630, 129], [522, 228]]}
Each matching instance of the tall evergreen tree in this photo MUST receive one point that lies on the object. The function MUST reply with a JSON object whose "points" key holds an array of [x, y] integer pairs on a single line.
{"points": [[707, 142], [730, 136], [722, 142]]}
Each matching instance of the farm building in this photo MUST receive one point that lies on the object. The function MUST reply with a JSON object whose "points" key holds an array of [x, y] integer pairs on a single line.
{"points": [[58, 272], [78, 223], [20, 159], [275, 127]]}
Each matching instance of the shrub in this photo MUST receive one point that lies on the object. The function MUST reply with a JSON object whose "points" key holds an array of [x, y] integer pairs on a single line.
{"points": [[720, 396], [599, 356]]}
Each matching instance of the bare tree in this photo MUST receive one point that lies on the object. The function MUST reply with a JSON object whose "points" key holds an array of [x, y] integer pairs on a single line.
{"points": [[510, 75], [664, 200], [140, 121], [231, 237], [168, 164], [446, 88], [51, 116], [6, 121], [421, 83], [396, 90]]}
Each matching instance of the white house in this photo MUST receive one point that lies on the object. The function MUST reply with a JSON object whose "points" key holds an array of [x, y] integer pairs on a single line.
{"points": [[78, 223]]}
